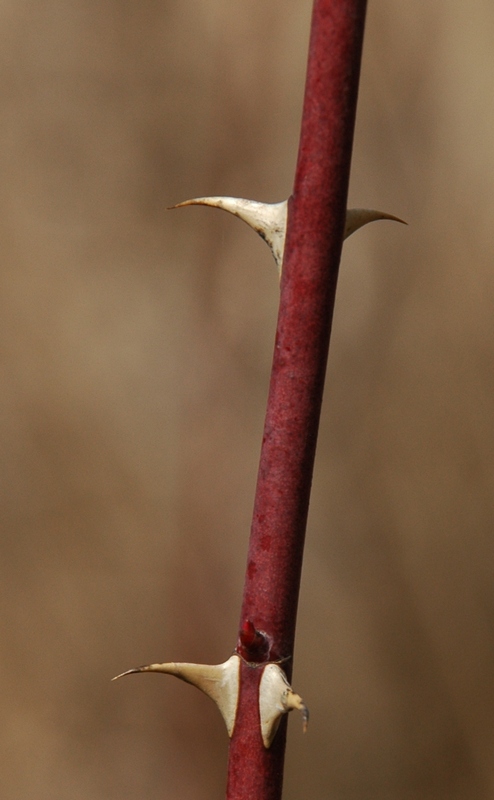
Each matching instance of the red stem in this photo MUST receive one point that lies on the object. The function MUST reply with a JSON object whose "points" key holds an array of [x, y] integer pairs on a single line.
{"points": [[310, 271]]}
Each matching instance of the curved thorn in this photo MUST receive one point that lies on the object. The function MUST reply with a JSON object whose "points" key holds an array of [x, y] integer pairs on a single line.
{"points": [[267, 219], [357, 217], [220, 682], [276, 698]]}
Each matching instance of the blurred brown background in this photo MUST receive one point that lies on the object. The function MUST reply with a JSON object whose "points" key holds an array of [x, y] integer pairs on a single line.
{"points": [[135, 356]]}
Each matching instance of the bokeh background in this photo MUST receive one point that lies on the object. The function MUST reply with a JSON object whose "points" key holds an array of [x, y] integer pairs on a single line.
{"points": [[135, 355]]}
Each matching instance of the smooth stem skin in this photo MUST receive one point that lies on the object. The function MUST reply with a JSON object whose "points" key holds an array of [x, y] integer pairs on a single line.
{"points": [[310, 270]]}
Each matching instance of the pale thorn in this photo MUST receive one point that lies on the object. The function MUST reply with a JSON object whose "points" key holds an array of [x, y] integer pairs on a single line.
{"points": [[276, 698], [358, 217], [270, 219], [267, 219], [220, 682]]}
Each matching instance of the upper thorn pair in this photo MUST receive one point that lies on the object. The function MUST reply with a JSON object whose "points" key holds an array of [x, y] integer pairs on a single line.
{"points": [[270, 219]]}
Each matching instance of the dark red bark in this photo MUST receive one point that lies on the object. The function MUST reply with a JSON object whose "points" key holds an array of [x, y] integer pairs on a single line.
{"points": [[312, 254]]}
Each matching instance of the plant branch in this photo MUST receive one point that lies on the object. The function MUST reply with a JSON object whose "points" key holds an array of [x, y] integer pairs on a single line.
{"points": [[305, 234], [316, 219]]}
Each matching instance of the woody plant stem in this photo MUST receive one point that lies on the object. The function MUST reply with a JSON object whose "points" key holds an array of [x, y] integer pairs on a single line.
{"points": [[316, 218], [305, 234]]}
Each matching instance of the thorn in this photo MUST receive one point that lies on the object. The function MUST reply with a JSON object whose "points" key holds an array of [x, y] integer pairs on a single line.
{"points": [[267, 219], [358, 217], [220, 682], [276, 698]]}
